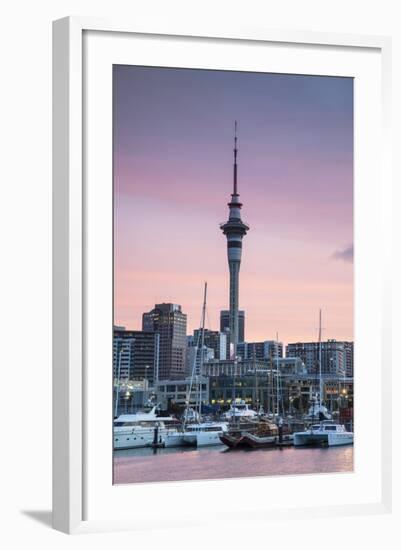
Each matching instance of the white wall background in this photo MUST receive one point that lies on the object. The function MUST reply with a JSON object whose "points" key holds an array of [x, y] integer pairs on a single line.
{"points": [[25, 229]]}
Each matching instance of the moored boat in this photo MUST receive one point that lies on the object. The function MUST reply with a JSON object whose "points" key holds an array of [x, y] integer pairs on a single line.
{"points": [[143, 429], [240, 434], [325, 434], [255, 441], [204, 433], [239, 410]]}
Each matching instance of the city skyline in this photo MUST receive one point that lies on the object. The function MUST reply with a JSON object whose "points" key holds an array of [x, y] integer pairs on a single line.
{"points": [[173, 175]]}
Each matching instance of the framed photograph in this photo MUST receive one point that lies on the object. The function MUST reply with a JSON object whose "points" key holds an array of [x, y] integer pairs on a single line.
{"points": [[221, 307]]}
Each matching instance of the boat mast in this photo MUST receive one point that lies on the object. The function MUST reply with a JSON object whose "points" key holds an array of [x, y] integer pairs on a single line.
{"points": [[320, 360], [202, 350], [193, 371], [278, 379]]}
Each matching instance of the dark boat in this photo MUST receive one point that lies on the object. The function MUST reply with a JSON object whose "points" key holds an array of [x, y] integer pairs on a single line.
{"points": [[232, 440], [246, 433], [257, 434]]}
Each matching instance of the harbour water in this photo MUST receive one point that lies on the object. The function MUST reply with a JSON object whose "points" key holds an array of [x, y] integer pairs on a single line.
{"points": [[152, 465]]}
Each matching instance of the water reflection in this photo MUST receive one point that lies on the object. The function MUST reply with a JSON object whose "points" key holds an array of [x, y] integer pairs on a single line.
{"points": [[185, 463]]}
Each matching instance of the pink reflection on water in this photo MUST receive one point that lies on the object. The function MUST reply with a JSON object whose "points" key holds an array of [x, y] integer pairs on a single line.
{"points": [[218, 463]]}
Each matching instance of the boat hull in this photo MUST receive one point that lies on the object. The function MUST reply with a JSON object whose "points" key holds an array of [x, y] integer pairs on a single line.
{"points": [[137, 439], [203, 439], [134, 440], [255, 441], [322, 439], [232, 441], [208, 438], [174, 440]]}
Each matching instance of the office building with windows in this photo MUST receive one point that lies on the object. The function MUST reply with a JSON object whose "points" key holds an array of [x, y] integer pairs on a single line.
{"points": [[213, 339], [135, 355], [170, 323], [269, 349], [225, 324], [337, 356]]}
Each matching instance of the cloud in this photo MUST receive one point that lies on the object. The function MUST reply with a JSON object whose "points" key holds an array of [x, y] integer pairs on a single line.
{"points": [[346, 254]]}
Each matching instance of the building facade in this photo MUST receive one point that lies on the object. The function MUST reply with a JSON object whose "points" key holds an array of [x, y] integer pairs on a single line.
{"points": [[337, 356], [170, 323], [176, 393], [269, 349], [225, 324], [196, 358], [135, 355], [349, 359], [213, 339], [293, 391]]}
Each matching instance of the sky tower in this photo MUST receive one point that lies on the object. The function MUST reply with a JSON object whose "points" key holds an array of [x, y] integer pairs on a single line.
{"points": [[234, 229]]}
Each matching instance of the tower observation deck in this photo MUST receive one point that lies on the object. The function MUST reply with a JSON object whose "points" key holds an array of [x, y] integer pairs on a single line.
{"points": [[234, 229]]}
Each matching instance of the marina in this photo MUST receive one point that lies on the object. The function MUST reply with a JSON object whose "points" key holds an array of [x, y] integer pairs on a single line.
{"points": [[148, 465], [214, 404]]}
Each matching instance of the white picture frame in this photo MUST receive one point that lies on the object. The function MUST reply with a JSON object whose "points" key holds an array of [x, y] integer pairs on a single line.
{"points": [[70, 259]]}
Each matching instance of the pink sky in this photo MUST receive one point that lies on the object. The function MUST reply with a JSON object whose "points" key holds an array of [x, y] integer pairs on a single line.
{"points": [[173, 178]]}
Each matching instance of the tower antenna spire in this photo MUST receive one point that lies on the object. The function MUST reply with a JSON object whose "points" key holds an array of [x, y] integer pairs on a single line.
{"points": [[235, 158], [234, 229]]}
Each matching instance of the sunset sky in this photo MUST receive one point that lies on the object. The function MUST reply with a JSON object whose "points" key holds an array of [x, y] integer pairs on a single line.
{"points": [[173, 156]]}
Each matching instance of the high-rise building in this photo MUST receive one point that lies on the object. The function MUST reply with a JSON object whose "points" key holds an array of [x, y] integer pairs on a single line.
{"points": [[336, 356], [135, 354], [349, 359], [225, 323], [213, 339], [196, 358], [168, 321], [234, 229], [269, 349]]}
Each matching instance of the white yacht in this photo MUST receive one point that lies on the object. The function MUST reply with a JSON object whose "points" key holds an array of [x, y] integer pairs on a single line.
{"points": [[239, 410], [143, 429], [327, 434], [317, 411], [204, 433]]}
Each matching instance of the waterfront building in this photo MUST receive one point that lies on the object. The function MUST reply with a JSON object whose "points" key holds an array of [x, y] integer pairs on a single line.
{"points": [[243, 367], [255, 389], [298, 391], [213, 339], [170, 323], [288, 365], [132, 395], [225, 324], [232, 367], [234, 229], [259, 389], [337, 356], [135, 354], [175, 393], [196, 357], [268, 349], [349, 359]]}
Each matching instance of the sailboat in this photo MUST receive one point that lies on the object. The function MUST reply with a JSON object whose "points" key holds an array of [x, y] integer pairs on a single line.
{"points": [[203, 433], [317, 410], [194, 431], [326, 433]]}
